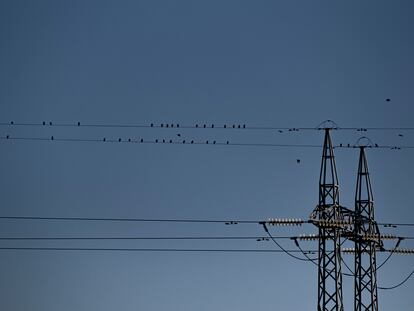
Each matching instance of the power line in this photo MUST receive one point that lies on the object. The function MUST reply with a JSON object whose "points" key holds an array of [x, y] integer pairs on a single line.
{"points": [[257, 238], [149, 249], [399, 284], [281, 247], [169, 141], [201, 125], [379, 287], [227, 222], [155, 141], [218, 221]]}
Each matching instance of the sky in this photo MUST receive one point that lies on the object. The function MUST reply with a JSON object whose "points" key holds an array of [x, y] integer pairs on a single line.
{"points": [[289, 64]]}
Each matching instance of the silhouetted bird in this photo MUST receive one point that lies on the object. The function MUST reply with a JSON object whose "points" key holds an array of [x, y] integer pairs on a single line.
{"points": [[401, 135], [179, 135], [280, 131], [388, 100], [297, 160]]}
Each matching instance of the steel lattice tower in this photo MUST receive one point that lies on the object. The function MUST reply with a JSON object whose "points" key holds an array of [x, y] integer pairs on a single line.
{"points": [[329, 212], [367, 238]]}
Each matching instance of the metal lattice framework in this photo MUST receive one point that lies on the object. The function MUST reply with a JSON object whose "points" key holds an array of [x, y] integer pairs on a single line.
{"points": [[366, 297], [329, 210]]}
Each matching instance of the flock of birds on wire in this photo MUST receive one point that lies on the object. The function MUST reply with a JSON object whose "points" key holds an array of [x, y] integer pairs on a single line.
{"points": [[181, 139]]}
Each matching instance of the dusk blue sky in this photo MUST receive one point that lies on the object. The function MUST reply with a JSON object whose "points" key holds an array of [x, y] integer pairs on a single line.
{"points": [[259, 63]]}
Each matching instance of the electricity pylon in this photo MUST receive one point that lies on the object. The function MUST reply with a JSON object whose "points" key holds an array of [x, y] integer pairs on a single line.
{"points": [[335, 225], [367, 239], [329, 212]]}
